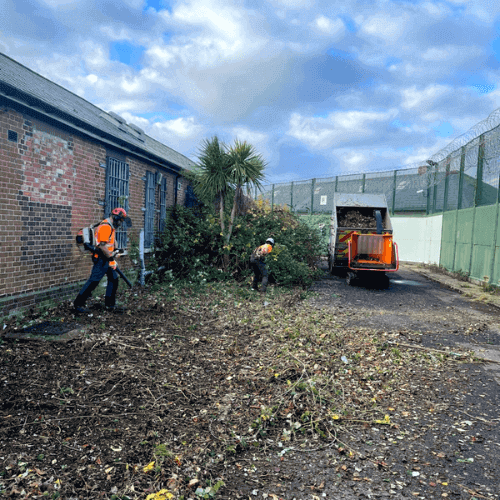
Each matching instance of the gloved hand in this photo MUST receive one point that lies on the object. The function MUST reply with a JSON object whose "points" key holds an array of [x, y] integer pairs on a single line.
{"points": [[112, 265], [117, 253], [89, 247]]}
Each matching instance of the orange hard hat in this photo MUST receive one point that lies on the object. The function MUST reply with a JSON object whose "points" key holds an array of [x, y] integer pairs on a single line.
{"points": [[119, 211]]}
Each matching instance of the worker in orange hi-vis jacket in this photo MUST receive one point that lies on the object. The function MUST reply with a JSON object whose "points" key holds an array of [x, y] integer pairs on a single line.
{"points": [[103, 257], [258, 264]]}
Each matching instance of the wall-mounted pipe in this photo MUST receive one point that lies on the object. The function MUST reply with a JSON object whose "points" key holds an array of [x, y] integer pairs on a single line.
{"points": [[144, 273]]}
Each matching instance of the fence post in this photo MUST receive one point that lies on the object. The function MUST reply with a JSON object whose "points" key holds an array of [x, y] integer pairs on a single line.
{"points": [[393, 208], [272, 199], [363, 185], [291, 196], [428, 206], [479, 177], [446, 183], [459, 203], [461, 178], [477, 196], [495, 234], [313, 184], [434, 191], [336, 182]]}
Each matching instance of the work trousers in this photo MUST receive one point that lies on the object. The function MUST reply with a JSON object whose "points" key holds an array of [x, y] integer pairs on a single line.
{"points": [[101, 268], [259, 272]]}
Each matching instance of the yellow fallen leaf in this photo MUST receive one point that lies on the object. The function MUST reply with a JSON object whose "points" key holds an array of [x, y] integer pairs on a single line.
{"points": [[161, 495], [149, 467]]}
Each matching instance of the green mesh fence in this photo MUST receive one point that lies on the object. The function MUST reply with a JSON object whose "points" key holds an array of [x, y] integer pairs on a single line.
{"points": [[465, 174]]}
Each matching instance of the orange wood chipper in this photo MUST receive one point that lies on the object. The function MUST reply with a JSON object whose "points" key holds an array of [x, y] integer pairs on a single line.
{"points": [[361, 237]]}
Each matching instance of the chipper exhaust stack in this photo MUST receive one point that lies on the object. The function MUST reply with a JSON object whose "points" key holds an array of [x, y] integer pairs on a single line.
{"points": [[361, 239]]}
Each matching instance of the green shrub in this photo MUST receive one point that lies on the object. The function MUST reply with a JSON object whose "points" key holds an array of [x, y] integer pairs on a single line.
{"points": [[192, 248]]}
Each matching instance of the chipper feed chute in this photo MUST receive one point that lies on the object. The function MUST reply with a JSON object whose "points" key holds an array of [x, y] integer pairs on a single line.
{"points": [[372, 252]]}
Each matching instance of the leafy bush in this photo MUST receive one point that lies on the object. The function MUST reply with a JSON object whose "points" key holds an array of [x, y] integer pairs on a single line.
{"points": [[191, 246], [320, 223]]}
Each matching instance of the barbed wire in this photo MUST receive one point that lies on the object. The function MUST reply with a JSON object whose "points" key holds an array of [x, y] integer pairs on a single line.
{"points": [[433, 180]]}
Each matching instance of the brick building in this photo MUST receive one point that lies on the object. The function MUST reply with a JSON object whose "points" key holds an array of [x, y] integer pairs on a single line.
{"points": [[65, 163]]}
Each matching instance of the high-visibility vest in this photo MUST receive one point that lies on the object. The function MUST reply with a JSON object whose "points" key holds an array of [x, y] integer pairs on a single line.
{"points": [[260, 252], [103, 236]]}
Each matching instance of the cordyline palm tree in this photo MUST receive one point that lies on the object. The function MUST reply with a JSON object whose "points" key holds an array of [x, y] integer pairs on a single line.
{"points": [[211, 177], [246, 169], [222, 170]]}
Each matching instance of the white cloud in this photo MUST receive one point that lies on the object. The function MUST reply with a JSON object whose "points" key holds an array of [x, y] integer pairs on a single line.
{"points": [[251, 136], [424, 153], [182, 134], [141, 122], [384, 26], [93, 79], [257, 139], [436, 10], [95, 56], [330, 27], [340, 127], [184, 128], [436, 54], [412, 98], [356, 160], [451, 53], [54, 4], [294, 4]]}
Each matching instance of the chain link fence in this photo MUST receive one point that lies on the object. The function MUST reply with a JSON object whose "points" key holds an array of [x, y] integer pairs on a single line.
{"points": [[465, 174]]}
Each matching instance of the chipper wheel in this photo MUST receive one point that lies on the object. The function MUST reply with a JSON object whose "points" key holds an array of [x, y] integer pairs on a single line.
{"points": [[350, 278]]}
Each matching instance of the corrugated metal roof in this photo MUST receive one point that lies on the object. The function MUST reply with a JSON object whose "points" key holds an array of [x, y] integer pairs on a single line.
{"points": [[39, 90]]}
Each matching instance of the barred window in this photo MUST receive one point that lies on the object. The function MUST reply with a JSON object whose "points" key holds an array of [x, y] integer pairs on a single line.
{"points": [[163, 204], [117, 192], [149, 213]]}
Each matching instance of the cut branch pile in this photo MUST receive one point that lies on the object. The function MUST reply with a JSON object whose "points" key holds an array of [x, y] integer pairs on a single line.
{"points": [[163, 398]]}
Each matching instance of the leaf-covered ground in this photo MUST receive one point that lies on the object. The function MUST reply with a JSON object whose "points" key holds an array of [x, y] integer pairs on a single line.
{"points": [[220, 392]]}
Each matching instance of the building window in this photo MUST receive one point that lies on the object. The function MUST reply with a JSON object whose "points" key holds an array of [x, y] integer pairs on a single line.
{"points": [[12, 136], [149, 213], [163, 204], [117, 192]]}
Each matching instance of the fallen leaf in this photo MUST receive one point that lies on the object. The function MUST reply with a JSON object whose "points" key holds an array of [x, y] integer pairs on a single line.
{"points": [[149, 467]]}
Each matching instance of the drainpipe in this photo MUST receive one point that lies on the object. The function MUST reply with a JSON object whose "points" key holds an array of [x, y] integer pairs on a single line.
{"points": [[144, 273], [176, 189]]}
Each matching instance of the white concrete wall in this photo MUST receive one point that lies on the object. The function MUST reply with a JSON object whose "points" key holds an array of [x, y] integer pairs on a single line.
{"points": [[418, 238]]}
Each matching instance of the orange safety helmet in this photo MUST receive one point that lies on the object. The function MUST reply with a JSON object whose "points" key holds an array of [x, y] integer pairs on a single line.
{"points": [[119, 216], [120, 212]]}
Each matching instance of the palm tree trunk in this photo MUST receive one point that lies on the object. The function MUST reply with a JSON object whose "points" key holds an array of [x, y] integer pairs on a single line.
{"points": [[237, 195], [221, 211]]}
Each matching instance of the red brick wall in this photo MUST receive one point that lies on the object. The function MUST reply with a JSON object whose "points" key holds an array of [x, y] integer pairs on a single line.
{"points": [[51, 185]]}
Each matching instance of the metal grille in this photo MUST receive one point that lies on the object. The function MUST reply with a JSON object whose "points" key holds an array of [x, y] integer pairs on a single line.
{"points": [[117, 192], [149, 214]]}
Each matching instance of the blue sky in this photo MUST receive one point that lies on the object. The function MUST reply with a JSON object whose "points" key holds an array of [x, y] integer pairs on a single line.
{"points": [[320, 88]]}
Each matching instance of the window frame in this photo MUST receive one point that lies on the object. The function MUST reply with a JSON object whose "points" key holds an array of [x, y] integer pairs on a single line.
{"points": [[149, 209], [117, 193]]}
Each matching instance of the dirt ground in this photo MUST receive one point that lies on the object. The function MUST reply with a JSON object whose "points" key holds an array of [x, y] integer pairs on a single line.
{"points": [[205, 398]]}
